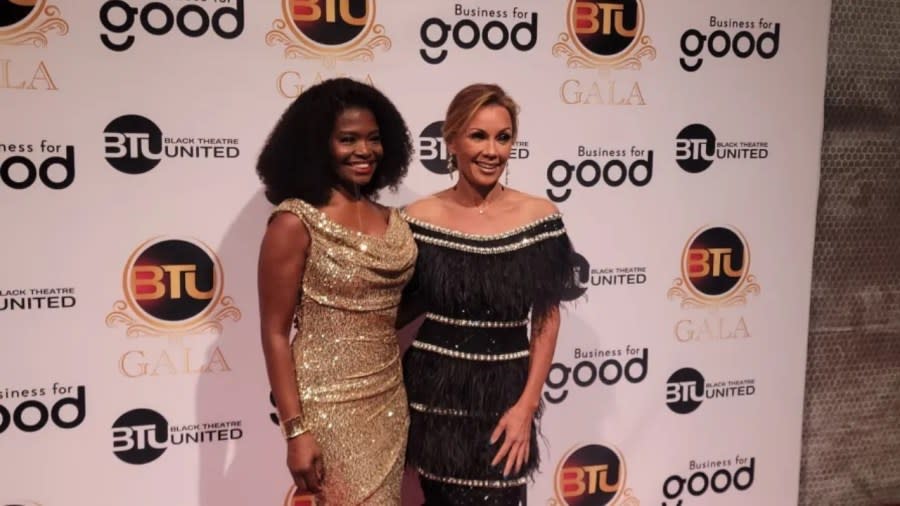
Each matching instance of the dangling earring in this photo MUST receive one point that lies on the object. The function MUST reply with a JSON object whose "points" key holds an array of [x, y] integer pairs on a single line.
{"points": [[506, 174], [451, 165]]}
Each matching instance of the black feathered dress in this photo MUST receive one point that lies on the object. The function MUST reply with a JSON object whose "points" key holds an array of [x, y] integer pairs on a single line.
{"points": [[469, 361]]}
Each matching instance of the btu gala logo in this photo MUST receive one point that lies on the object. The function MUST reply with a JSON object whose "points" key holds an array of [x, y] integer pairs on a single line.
{"points": [[27, 23], [605, 35], [328, 30], [592, 475], [173, 287], [715, 270]]}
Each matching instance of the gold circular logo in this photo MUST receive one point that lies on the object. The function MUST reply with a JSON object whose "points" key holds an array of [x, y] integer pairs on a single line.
{"points": [[715, 262], [329, 27], [606, 33], [17, 15], [173, 283]]}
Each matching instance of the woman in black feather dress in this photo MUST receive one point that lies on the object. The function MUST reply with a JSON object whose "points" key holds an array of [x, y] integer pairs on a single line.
{"points": [[493, 264]]}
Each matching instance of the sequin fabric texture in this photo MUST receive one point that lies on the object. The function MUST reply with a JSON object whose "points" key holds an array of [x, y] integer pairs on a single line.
{"points": [[347, 358]]}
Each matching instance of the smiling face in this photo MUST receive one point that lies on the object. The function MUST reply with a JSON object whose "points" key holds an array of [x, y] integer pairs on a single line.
{"points": [[482, 147], [356, 145]]}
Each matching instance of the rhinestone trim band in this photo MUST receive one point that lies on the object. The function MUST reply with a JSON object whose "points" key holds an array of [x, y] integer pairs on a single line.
{"points": [[469, 356], [474, 483], [489, 250], [479, 237], [422, 408], [477, 323], [437, 411]]}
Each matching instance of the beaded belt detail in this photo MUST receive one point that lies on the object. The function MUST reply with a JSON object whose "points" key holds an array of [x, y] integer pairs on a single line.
{"points": [[474, 483], [484, 324], [469, 356], [437, 411]]}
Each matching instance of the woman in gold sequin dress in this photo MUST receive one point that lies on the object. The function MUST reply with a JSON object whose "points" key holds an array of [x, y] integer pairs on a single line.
{"points": [[334, 263]]}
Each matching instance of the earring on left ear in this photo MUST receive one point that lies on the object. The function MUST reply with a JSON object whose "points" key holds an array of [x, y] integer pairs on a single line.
{"points": [[451, 165], [506, 174]]}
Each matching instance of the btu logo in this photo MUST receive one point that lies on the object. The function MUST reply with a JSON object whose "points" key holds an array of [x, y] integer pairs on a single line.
{"points": [[715, 262], [606, 29], [590, 15], [330, 23], [156, 18], [695, 148], [467, 34], [173, 280], [132, 144], [590, 476], [140, 436], [684, 390]]}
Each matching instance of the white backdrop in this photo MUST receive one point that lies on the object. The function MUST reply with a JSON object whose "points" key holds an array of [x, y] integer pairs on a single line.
{"points": [[153, 391]]}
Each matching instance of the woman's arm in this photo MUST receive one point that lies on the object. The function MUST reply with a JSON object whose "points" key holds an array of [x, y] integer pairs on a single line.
{"points": [[543, 345], [282, 259], [516, 422]]}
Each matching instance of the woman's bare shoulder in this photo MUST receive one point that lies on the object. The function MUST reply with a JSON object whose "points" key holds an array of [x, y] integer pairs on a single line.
{"points": [[532, 207]]}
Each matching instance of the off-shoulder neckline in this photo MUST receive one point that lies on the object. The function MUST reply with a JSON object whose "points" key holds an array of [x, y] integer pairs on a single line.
{"points": [[480, 237]]}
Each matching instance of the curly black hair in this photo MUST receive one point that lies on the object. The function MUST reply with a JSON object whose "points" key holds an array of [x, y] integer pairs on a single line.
{"points": [[296, 161]]}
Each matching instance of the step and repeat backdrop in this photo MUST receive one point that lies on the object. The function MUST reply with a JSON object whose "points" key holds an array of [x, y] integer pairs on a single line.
{"points": [[680, 139]]}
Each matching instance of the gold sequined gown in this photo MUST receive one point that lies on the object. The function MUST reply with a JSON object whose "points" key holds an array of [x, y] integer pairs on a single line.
{"points": [[347, 358]]}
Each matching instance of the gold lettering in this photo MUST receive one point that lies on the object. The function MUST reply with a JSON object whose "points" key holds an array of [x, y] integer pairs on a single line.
{"points": [[564, 92], [609, 10], [636, 94], [175, 278], [729, 271], [717, 254], [348, 18], [684, 331], [620, 23], [289, 92], [290, 83], [217, 360], [604, 92], [42, 74], [164, 362], [127, 370], [5, 75], [190, 285], [594, 93], [741, 329]]}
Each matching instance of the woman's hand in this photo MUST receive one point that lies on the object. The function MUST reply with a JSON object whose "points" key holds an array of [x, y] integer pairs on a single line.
{"points": [[515, 427], [304, 461]]}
